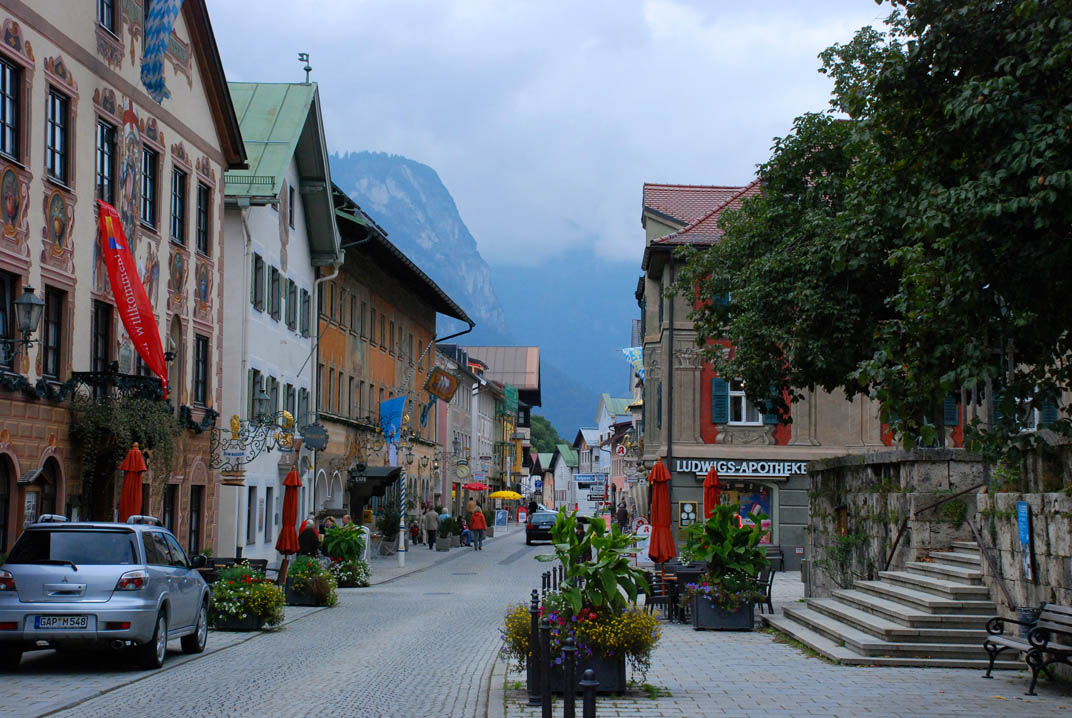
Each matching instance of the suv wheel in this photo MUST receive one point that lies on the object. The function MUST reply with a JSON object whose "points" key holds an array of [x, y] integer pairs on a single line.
{"points": [[10, 659], [151, 653], [195, 642]]}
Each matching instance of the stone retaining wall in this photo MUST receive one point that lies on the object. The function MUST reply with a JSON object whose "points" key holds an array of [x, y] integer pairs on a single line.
{"points": [[857, 504]]}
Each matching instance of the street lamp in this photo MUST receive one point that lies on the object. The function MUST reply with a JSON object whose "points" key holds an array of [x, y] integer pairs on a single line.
{"points": [[260, 403], [28, 311]]}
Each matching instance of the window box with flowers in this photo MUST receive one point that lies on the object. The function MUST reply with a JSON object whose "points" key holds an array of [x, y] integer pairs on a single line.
{"points": [[244, 600], [724, 597], [595, 605]]}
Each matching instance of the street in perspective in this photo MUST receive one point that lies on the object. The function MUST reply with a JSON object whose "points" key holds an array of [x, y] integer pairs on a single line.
{"points": [[339, 377]]}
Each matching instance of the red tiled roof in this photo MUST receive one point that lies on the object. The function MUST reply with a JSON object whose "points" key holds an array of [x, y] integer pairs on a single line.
{"points": [[685, 203], [705, 229]]}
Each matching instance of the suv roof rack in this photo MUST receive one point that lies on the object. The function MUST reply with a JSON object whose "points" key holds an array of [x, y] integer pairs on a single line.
{"points": [[50, 519], [140, 519]]}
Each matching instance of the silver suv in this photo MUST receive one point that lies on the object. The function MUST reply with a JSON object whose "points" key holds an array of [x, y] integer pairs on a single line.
{"points": [[101, 585]]}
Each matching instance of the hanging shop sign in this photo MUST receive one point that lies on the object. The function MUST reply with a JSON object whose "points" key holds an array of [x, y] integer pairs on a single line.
{"points": [[741, 467], [315, 436]]}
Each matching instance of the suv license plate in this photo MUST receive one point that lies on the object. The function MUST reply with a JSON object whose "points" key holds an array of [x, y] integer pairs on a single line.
{"points": [[65, 622]]}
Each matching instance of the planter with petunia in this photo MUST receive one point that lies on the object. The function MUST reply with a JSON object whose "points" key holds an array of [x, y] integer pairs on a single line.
{"points": [[595, 605], [309, 583], [244, 600], [724, 598], [344, 546]]}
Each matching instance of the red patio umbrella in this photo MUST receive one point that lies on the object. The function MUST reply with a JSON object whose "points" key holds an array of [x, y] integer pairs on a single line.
{"points": [[475, 486], [133, 467], [661, 547], [287, 543], [711, 492]]}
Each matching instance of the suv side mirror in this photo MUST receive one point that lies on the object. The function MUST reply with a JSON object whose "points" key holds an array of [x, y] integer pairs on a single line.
{"points": [[198, 561]]}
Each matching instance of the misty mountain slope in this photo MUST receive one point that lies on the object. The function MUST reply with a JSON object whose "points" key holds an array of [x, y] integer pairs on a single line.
{"points": [[408, 199]]}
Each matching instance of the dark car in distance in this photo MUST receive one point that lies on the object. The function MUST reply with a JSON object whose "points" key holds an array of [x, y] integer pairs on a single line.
{"points": [[538, 527]]}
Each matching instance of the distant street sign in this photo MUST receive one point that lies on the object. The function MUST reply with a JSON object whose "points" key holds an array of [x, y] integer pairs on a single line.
{"points": [[537, 484], [620, 451], [315, 437]]}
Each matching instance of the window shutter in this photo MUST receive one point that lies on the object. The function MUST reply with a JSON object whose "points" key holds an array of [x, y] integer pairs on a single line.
{"points": [[950, 411], [1048, 413], [720, 401], [249, 393], [253, 280]]}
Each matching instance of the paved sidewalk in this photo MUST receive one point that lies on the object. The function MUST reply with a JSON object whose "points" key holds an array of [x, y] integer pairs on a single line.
{"points": [[420, 557], [712, 673]]}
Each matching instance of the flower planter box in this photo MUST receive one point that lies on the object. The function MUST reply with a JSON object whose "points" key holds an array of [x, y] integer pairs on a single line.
{"points": [[490, 531], [442, 543], [609, 670], [455, 541], [708, 617], [229, 623], [300, 598]]}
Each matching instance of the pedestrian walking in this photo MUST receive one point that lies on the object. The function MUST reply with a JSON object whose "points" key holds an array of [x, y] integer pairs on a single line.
{"points": [[533, 506], [478, 525], [623, 517], [430, 521]]}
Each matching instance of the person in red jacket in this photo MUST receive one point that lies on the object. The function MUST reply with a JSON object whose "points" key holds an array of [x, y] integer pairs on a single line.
{"points": [[477, 525]]}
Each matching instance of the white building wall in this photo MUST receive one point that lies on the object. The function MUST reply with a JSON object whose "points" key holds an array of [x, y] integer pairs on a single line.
{"points": [[257, 341]]}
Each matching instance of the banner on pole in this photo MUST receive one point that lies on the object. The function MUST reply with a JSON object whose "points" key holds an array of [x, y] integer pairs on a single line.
{"points": [[131, 301]]}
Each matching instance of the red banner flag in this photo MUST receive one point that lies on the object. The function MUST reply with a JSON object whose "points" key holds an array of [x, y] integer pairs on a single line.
{"points": [[134, 307]]}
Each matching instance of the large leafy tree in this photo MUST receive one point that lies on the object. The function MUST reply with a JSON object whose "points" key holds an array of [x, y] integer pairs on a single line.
{"points": [[544, 435], [913, 242]]}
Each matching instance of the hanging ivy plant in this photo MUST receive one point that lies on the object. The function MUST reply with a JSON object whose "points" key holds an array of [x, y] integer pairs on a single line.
{"points": [[104, 429]]}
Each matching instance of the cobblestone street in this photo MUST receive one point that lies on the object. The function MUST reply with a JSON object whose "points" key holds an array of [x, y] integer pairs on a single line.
{"points": [[417, 644]]}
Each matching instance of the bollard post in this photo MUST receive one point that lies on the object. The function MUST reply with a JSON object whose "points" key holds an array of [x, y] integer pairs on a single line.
{"points": [[545, 668], [534, 650], [589, 684], [554, 577], [569, 679]]}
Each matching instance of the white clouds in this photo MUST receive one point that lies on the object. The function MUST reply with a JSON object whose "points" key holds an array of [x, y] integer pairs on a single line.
{"points": [[545, 117]]}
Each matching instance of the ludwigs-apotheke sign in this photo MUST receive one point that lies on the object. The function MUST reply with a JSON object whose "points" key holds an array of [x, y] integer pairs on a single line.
{"points": [[741, 467]]}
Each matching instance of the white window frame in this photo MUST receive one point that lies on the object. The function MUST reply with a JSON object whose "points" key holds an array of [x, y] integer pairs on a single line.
{"points": [[738, 400]]}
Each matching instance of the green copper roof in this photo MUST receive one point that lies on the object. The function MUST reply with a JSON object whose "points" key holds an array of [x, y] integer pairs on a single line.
{"points": [[616, 406], [545, 459], [568, 454], [272, 117]]}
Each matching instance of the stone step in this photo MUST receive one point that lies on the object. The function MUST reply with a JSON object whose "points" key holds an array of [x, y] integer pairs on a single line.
{"points": [[866, 644], [966, 547], [892, 631], [907, 614], [830, 649], [944, 588], [927, 601], [956, 558], [957, 574]]}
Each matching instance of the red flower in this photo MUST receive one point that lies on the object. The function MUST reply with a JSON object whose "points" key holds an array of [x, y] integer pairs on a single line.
{"points": [[592, 615]]}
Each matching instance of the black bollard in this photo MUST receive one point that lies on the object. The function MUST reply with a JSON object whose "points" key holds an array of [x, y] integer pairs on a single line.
{"points": [[589, 685], [545, 668], [554, 578], [546, 579], [533, 677], [569, 679]]}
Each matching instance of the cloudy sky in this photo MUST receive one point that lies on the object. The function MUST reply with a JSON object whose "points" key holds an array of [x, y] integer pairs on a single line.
{"points": [[545, 117]]}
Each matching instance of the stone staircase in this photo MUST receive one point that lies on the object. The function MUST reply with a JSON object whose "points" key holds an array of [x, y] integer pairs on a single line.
{"points": [[933, 613]]}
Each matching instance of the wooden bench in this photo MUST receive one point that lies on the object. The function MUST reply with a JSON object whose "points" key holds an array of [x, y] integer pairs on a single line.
{"points": [[1049, 641]]}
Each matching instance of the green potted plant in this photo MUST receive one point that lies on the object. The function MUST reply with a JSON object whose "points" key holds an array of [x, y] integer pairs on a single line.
{"points": [[595, 604], [724, 597], [244, 600], [309, 583], [387, 525], [344, 546], [443, 534]]}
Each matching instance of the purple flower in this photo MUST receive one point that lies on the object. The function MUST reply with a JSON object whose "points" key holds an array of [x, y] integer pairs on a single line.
{"points": [[558, 661]]}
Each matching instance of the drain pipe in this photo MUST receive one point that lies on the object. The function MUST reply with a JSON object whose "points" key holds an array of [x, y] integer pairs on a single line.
{"points": [[669, 363]]}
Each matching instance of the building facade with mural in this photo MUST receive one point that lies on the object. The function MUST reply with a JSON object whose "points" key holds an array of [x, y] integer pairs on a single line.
{"points": [[79, 125]]}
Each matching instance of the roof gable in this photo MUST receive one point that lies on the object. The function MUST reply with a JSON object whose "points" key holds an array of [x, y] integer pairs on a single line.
{"points": [[209, 64], [684, 204], [705, 229]]}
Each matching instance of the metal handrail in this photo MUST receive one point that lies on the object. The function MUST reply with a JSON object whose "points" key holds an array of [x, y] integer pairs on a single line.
{"points": [[904, 524], [993, 564]]}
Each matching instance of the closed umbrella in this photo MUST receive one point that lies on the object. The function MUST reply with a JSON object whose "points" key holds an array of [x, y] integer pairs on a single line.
{"points": [[661, 548], [711, 492], [133, 467], [287, 543]]}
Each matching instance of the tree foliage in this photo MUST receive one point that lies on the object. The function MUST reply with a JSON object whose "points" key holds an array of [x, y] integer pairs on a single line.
{"points": [[912, 241], [544, 435]]}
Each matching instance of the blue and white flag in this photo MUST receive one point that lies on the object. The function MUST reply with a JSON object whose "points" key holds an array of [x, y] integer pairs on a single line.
{"points": [[391, 417], [162, 14], [635, 356]]}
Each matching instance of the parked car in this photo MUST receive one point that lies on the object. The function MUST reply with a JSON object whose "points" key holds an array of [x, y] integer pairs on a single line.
{"points": [[538, 526], [101, 585]]}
